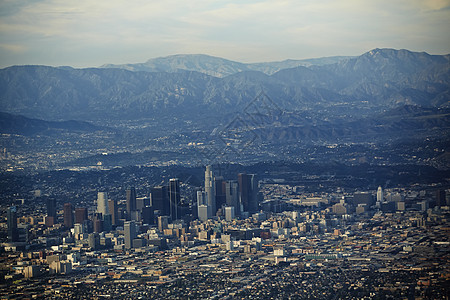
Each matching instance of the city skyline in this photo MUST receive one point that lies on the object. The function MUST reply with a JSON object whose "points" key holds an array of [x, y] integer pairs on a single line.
{"points": [[340, 233], [192, 176]]}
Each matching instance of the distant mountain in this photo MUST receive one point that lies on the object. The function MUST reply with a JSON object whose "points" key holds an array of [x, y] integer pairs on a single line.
{"points": [[387, 76], [374, 81], [13, 124], [213, 66], [216, 66]]}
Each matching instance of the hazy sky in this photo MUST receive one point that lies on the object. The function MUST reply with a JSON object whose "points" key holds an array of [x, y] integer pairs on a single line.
{"points": [[91, 33]]}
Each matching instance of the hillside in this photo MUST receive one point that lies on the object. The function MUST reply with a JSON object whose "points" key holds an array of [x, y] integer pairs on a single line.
{"points": [[379, 79]]}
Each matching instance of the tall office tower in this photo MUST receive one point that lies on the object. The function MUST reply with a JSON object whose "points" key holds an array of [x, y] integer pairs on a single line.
{"points": [[130, 233], [11, 216], [112, 209], [248, 192], [148, 216], [380, 195], [229, 213], [220, 192], [174, 198], [210, 191], [98, 222], [107, 223], [81, 215], [131, 201], [68, 215], [232, 195], [102, 203], [201, 198], [51, 211], [203, 213], [160, 200], [254, 205]]}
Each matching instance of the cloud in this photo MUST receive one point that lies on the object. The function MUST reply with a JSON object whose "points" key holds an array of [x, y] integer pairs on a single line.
{"points": [[435, 4], [13, 48], [85, 32]]}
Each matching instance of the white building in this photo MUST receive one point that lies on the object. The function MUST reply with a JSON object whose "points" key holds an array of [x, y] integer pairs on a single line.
{"points": [[380, 195]]}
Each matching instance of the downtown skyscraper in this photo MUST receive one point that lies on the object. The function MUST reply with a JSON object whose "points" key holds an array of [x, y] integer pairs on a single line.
{"points": [[11, 219], [210, 191], [174, 198], [131, 202], [248, 192], [102, 203], [68, 215]]}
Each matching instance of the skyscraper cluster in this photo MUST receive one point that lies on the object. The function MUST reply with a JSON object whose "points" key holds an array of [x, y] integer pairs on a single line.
{"points": [[231, 197], [164, 207]]}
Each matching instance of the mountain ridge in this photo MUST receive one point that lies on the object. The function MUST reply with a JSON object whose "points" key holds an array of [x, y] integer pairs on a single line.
{"points": [[378, 79], [217, 66]]}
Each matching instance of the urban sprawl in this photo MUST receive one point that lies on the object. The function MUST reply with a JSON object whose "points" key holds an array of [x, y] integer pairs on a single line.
{"points": [[231, 238]]}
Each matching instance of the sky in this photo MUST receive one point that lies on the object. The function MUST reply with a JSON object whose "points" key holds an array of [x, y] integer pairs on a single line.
{"points": [[86, 33]]}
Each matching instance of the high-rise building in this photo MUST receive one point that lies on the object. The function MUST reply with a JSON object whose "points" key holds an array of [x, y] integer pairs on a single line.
{"points": [[81, 215], [68, 215], [201, 198], [98, 222], [148, 215], [131, 201], [203, 213], [51, 207], [210, 190], [130, 233], [102, 203], [11, 216], [220, 192], [232, 195], [160, 200], [253, 204], [107, 223], [112, 209], [248, 192], [50, 220], [380, 195], [202, 205], [229, 213], [174, 198]]}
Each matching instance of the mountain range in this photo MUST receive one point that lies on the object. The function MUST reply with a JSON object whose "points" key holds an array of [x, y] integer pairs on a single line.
{"points": [[198, 86], [219, 67]]}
